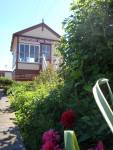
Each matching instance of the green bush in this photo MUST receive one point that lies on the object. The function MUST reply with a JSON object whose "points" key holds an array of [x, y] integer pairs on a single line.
{"points": [[39, 105], [38, 108], [5, 83], [87, 50]]}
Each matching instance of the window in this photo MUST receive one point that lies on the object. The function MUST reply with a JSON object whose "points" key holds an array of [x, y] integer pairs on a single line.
{"points": [[46, 50], [36, 53], [32, 53], [26, 52], [29, 53], [22, 52]]}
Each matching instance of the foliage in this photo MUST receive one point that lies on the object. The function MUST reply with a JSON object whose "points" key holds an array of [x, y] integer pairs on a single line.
{"points": [[5, 83], [87, 50], [38, 109], [48, 76]]}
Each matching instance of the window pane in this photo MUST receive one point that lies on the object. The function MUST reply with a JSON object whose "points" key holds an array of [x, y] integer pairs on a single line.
{"points": [[36, 53], [31, 53], [21, 58], [46, 50], [27, 53]]}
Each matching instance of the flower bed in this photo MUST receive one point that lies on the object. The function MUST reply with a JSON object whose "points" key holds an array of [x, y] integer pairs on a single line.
{"points": [[48, 107]]}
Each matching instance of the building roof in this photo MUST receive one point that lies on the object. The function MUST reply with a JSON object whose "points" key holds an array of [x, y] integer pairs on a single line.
{"points": [[36, 26], [43, 25]]}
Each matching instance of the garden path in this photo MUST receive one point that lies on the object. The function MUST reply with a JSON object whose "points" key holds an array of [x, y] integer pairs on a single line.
{"points": [[10, 138]]}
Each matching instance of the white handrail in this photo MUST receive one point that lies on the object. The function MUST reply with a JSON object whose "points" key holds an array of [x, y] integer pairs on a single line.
{"points": [[102, 102], [44, 63]]}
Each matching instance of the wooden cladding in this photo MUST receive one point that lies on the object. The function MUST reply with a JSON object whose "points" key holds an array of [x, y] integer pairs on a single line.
{"points": [[34, 40], [24, 75]]}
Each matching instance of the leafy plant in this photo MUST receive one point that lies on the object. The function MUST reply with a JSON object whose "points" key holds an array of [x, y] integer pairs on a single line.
{"points": [[5, 83], [34, 104], [87, 53]]}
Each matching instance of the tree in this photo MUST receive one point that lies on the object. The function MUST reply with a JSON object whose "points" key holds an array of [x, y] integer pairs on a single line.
{"points": [[87, 49], [89, 36]]}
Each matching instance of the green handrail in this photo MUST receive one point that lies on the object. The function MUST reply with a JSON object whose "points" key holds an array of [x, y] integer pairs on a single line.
{"points": [[102, 102]]}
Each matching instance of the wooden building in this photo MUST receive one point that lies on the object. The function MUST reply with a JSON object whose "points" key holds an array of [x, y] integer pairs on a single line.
{"points": [[28, 46]]}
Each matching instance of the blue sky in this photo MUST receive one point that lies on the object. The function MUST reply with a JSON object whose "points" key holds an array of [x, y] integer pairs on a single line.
{"points": [[16, 15]]}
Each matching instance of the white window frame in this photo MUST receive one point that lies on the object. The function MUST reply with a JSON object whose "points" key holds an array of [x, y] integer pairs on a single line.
{"points": [[29, 53]]}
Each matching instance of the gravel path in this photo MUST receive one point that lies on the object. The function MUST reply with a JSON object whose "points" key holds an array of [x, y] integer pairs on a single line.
{"points": [[10, 138]]}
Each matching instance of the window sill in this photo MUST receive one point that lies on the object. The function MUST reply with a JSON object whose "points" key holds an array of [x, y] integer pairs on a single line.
{"points": [[28, 62]]}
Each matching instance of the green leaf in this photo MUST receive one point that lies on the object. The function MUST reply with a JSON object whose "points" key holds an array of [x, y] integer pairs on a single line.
{"points": [[70, 140], [87, 88]]}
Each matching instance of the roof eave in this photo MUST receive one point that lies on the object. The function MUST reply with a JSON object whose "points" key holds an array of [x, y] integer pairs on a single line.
{"points": [[36, 26]]}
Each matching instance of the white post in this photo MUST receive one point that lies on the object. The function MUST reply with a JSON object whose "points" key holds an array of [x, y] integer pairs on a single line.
{"points": [[44, 63]]}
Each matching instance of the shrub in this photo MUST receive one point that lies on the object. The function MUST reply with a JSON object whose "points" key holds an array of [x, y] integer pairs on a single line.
{"points": [[38, 108], [5, 83]]}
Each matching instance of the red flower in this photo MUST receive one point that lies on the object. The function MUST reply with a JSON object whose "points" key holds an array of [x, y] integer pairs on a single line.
{"points": [[68, 118]]}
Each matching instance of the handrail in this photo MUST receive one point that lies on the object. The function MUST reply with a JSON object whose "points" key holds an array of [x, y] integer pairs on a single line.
{"points": [[102, 102], [70, 140], [44, 63]]}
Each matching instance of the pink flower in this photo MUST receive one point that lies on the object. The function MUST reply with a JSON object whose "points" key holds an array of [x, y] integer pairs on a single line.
{"points": [[68, 118], [100, 146], [50, 140], [50, 146], [51, 135]]}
